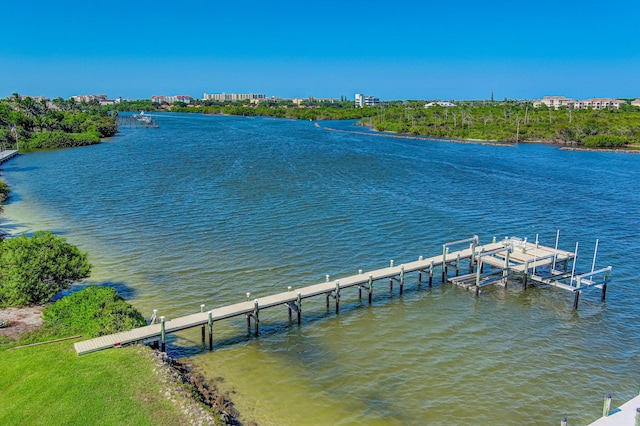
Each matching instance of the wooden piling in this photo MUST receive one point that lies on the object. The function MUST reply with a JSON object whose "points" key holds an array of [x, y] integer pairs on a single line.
{"points": [[401, 279], [370, 288], [203, 333], [431, 274], [163, 335], [606, 408], [299, 305], [256, 318], [210, 331], [576, 299], [337, 297], [563, 422]]}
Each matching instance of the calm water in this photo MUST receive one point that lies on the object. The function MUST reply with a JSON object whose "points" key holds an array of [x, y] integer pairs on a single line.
{"points": [[205, 209]]}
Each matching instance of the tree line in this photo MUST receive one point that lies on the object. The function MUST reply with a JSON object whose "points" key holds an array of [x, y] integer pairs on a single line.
{"points": [[26, 123], [513, 122]]}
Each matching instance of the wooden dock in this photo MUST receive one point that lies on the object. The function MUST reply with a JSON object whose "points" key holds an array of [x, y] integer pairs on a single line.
{"points": [[7, 155], [487, 264], [628, 414]]}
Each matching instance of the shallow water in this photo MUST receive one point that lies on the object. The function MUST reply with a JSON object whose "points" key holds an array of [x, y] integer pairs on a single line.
{"points": [[208, 208]]}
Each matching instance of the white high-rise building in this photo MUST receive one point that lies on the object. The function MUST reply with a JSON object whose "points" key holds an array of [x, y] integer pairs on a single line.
{"points": [[362, 100]]}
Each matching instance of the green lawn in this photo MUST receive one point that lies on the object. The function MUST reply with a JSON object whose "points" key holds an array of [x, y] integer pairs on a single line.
{"points": [[50, 384]]}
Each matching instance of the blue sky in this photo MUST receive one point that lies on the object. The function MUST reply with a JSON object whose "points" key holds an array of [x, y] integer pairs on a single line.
{"points": [[393, 50]]}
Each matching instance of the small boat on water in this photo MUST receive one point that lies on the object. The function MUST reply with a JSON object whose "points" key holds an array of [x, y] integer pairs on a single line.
{"points": [[143, 118]]}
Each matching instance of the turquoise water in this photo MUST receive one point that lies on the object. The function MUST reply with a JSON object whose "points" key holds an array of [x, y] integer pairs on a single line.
{"points": [[207, 208]]}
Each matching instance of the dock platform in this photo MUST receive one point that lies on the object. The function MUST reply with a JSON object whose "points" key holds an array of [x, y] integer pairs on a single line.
{"points": [[480, 265], [628, 414]]}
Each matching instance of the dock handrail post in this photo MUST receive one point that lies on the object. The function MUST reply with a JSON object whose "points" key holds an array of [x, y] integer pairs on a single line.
{"points": [[401, 279], [154, 318], [370, 288], [563, 422], [337, 297], [573, 267], [431, 273], [299, 304], [607, 405], [256, 320], [210, 331], [163, 336], [595, 253], [202, 310]]}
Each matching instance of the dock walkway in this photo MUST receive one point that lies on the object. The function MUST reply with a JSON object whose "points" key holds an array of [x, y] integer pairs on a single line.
{"points": [[510, 256], [7, 155]]}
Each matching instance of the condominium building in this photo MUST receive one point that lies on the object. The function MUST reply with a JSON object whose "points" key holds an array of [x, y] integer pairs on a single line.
{"points": [[594, 103], [233, 97], [362, 100], [171, 99]]}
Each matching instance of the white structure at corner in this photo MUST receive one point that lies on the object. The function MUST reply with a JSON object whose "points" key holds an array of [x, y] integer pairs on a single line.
{"points": [[362, 100]]}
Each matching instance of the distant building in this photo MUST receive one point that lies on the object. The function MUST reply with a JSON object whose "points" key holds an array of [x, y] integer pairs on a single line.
{"points": [[171, 99], [439, 103], [556, 102], [88, 98], [233, 97], [636, 103], [362, 100]]}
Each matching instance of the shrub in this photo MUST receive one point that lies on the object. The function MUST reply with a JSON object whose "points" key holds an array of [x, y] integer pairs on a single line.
{"points": [[604, 141], [93, 311], [59, 139], [34, 269]]}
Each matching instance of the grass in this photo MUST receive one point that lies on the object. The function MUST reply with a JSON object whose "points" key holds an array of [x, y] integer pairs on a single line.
{"points": [[51, 384]]}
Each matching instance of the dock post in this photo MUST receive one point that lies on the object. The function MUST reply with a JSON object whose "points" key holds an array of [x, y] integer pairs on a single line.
{"points": [[576, 299], [289, 305], [337, 297], [563, 422], [525, 275], [401, 279], [256, 320], [154, 318], [163, 336], [603, 296], [420, 272], [299, 304], [326, 277], [472, 259], [328, 295], [431, 274], [210, 331], [370, 287], [505, 271], [202, 310], [458, 264], [445, 249], [637, 417], [607, 405]]}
